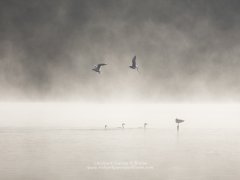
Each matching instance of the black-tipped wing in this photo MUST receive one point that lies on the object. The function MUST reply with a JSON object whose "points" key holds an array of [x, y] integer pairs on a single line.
{"points": [[99, 65], [134, 64]]}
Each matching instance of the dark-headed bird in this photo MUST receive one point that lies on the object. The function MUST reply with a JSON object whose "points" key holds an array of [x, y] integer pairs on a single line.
{"points": [[97, 68], [134, 63]]}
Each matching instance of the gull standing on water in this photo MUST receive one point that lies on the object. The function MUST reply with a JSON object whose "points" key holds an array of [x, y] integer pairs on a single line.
{"points": [[98, 67], [178, 121], [145, 125], [134, 63]]}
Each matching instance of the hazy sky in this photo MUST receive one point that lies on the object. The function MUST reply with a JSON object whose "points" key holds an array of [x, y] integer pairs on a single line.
{"points": [[187, 50]]}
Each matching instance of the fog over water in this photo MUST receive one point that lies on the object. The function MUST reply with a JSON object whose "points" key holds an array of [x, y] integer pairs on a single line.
{"points": [[96, 116], [60, 120], [187, 50]]}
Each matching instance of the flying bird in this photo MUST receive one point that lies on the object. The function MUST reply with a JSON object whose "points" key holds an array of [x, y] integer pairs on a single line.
{"points": [[134, 63], [97, 68]]}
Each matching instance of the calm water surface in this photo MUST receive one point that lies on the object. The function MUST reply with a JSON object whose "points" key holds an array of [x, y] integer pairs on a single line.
{"points": [[58, 154]]}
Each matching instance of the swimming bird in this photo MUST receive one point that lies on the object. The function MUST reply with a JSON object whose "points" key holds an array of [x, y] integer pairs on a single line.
{"points": [[145, 124], [134, 63], [123, 124], [98, 67]]}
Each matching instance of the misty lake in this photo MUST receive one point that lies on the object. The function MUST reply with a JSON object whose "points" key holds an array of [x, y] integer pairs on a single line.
{"points": [[71, 154]]}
